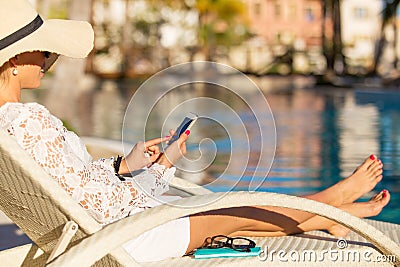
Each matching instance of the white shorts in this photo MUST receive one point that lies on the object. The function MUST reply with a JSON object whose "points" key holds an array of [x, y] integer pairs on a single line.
{"points": [[155, 244]]}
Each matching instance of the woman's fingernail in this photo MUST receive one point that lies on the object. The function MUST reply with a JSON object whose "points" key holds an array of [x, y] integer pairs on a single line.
{"points": [[372, 157], [384, 192], [187, 132], [167, 136]]}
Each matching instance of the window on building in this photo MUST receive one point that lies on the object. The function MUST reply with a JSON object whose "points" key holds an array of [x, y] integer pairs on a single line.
{"points": [[309, 14], [277, 10], [257, 8]]}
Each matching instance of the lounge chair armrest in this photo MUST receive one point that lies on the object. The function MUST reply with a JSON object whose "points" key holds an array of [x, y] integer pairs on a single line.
{"points": [[114, 235]]}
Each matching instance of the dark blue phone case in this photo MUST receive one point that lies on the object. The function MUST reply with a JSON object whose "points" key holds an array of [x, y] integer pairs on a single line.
{"points": [[181, 129]]}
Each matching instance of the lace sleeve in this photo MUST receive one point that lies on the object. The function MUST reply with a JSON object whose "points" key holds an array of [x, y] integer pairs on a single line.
{"points": [[91, 183]]}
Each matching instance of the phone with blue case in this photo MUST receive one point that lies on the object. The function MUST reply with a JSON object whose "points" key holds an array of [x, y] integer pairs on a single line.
{"points": [[208, 253], [185, 125]]}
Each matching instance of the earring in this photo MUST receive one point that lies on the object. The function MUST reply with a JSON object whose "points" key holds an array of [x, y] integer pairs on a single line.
{"points": [[15, 72]]}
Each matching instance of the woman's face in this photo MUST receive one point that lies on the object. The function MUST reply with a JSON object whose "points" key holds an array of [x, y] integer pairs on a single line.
{"points": [[30, 65]]}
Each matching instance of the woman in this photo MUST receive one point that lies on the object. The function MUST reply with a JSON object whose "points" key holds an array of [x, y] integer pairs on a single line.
{"points": [[28, 47]]}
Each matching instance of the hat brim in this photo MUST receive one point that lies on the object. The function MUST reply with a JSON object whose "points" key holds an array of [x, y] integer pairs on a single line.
{"points": [[60, 37]]}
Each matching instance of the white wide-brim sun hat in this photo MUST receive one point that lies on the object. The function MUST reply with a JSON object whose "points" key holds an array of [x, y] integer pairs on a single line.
{"points": [[23, 30]]}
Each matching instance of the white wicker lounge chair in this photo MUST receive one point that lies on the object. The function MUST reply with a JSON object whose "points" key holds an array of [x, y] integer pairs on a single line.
{"points": [[42, 210]]}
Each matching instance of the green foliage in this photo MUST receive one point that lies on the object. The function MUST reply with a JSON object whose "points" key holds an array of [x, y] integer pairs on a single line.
{"points": [[222, 23], [223, 9]]}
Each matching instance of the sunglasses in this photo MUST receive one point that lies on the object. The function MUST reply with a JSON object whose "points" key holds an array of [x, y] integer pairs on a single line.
{"points": [[235, 243]]}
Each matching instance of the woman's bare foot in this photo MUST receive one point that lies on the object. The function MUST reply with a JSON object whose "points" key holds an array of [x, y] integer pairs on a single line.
{"points": [[363, 180], [361, 209]]}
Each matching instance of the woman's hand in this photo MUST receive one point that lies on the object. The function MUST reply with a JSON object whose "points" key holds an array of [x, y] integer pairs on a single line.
{"points": [[141, 155], [174, 152]]}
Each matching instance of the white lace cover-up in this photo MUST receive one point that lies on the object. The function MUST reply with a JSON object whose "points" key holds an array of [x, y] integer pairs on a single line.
{"points": [[64, 157]]}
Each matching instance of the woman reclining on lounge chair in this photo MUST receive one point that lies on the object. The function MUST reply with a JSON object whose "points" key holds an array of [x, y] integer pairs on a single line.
{"points": [[29, 46]]}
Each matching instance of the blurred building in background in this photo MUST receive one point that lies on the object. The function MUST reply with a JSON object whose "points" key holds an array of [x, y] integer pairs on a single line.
{"points": [[141, 37], [361, 26], [293, 33]]}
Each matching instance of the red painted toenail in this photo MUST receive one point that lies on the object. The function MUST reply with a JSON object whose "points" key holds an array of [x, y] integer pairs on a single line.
{"points": [[372, 157]]}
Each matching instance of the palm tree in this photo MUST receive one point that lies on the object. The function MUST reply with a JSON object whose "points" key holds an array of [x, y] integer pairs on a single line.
{"points": [[388, 15], [337, 38], [332, 45]]}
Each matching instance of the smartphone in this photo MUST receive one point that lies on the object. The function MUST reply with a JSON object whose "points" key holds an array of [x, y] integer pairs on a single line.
{"points": [[185, 125]]}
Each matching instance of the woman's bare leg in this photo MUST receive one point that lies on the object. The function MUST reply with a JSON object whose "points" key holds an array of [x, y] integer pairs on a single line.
{"points": [[253, 221], [360, 209]]}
